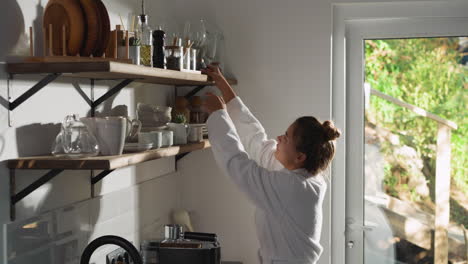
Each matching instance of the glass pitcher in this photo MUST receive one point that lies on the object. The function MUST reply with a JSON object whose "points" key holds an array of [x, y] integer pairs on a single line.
{"points": [[75, 140]]}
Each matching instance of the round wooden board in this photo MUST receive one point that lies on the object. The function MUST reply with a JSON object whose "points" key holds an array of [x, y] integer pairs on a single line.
{"points": [[93, 26], [70, 14], [105, 30]]}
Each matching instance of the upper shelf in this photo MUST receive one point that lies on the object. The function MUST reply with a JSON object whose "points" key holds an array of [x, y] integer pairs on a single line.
{"points": [[103, 162], [112, 70]]}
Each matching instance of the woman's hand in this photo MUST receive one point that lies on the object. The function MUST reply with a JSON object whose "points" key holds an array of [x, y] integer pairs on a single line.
{"points": [[215, 73], [213, 103], [217, 76]]}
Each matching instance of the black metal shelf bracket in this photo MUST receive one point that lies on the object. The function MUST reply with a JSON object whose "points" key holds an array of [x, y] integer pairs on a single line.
{"points": [[51, 77], [94, 103], [38, 86], [180, 156], [100, 176], [194, 91], [111, 92], [83, 94], [16, 197]]}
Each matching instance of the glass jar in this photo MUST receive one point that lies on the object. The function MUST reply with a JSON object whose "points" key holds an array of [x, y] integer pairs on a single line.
{"points": [[193, 60], [75, 140], [145, 35], [186, 58], [173, 56], [197, 115]]}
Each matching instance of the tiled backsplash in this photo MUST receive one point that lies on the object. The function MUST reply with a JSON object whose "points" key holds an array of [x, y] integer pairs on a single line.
{"points": [[59, 236]]}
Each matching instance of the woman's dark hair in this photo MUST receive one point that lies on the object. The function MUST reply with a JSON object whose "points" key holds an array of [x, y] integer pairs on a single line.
{"points": [[317, 141]]}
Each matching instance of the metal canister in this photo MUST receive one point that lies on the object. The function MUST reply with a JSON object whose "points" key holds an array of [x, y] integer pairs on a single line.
{"points": [[149, 252], [172, 232]]}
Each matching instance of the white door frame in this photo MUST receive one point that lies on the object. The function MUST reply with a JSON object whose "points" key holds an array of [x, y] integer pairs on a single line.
{"points": [[345, 15]]}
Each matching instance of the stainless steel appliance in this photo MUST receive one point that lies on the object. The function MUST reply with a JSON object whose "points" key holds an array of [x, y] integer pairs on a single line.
{"points": [[177, 247], [180, 247]]}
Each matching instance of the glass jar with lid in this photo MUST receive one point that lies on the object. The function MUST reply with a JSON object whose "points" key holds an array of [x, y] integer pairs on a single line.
{"points": [[75, 140]]}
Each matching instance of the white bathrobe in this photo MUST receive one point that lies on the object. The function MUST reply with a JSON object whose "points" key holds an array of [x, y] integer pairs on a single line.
{"points": [[288, 204]]}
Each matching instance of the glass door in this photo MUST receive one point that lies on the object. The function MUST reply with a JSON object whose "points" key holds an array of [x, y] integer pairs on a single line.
{"points": [[406, 129]]}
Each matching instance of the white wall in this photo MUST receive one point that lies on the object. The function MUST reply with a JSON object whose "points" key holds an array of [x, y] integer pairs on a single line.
{"points": [[280, 52], [132, 202]]}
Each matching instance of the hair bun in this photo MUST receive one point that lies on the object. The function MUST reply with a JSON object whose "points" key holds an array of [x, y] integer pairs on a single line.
{"points": [[331, 132]]}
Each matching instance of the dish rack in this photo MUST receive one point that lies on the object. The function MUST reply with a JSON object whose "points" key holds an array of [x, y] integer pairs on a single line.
{"points": [[78, 31]]}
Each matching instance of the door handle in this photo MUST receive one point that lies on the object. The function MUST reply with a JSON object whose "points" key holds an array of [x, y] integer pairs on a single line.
{"points": [[351, 225]]}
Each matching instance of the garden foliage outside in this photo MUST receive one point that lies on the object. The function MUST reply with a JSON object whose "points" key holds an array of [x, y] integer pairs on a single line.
{"points": [[427, 73]]}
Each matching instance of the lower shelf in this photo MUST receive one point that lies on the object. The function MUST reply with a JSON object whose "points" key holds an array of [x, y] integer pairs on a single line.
{"points": [[103, 162], [107, 164]]}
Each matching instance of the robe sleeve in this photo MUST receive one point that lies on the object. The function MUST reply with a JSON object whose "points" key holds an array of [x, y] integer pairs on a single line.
{"points": [[262, 186], [253, 136]]}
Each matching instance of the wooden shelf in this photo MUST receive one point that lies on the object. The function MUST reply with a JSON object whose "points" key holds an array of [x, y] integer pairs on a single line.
{"points": [[111, 70], [103, 162]]}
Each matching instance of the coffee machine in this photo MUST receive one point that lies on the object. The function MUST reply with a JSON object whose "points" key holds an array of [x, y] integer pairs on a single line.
{"points": [[180, 247]]}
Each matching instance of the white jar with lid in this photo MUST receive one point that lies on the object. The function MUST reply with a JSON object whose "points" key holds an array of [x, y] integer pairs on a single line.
{"points": [[167, 137]]}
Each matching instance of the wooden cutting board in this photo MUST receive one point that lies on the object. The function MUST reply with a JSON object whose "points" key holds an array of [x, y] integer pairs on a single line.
{"points": [[93, 26], [105, 30], [70, 14]]}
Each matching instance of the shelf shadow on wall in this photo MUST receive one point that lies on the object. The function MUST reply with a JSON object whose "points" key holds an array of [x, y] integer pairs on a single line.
{"points": [[2, 144], [4, 102], [11, 26], [38, 32], [36, 139]]}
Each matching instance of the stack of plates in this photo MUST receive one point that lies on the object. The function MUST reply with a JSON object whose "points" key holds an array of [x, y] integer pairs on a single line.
{"points": [[205, 131], [86, 23], [137, 147], [150, 129]]}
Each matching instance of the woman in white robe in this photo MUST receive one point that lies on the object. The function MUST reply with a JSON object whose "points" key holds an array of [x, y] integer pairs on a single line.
{"points": [[282, 177]]}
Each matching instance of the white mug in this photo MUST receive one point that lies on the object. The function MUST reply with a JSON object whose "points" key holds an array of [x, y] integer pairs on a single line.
{"points": [[195, 133], [110, 133], [181, 132]]}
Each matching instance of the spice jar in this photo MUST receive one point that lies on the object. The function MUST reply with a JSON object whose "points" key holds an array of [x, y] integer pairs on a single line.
{"points": [[181, 107], [197, 115], [173, 57], [193, 60]]}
